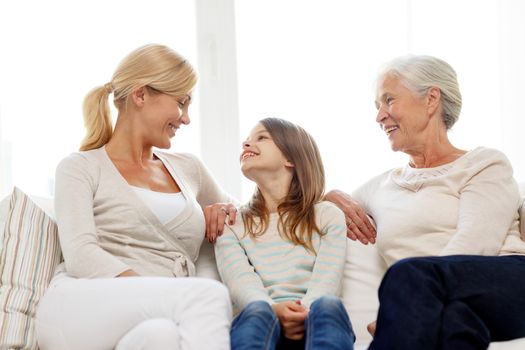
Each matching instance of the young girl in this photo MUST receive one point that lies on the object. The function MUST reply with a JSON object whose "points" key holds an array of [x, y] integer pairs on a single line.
{"points": [[283, 262]]}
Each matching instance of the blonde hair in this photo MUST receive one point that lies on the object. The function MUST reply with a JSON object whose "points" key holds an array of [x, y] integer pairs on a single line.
{"points": [[419, 73], [297, 210], [155, 66]]}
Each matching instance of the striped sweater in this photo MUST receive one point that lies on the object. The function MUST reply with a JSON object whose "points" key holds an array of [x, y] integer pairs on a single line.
{"points": [[272, 269]]}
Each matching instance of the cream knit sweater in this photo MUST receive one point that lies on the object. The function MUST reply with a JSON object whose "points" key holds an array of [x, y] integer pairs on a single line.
{"points": [[105, 229], [469, 206], [272, 269]]}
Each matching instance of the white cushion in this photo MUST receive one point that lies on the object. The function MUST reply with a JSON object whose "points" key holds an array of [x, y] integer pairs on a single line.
{"points": [[362, 275], [521, 186], [516, 344], [522, 209], [206, 265], [522, 218]]}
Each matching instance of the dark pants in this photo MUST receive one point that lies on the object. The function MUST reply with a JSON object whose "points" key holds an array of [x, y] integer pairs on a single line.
{"points": [[452, 302], [326, 327]]}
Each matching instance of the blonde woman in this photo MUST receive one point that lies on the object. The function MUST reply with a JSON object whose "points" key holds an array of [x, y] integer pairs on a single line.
{"points": [[130, 222], [283, 262]]}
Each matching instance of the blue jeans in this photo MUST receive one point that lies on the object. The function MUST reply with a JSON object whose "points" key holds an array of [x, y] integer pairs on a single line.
{"points": [[451, 302], [326, 327]]}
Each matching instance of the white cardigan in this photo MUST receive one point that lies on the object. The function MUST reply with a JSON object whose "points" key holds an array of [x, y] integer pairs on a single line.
{"points": [[105, 229]]}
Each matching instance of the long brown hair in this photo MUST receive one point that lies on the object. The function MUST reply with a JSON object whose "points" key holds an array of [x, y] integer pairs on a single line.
{"points": [[297, 210]]}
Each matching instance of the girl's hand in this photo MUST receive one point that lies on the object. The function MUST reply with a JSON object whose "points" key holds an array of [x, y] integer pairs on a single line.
{"points": [[358, 225], [215, 216], [291, 315]]}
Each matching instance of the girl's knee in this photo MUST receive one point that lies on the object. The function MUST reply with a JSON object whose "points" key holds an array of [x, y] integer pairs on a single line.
{"points": [[260, 310], [257, 314], [259, 307], [330, 307], [328, 302]]}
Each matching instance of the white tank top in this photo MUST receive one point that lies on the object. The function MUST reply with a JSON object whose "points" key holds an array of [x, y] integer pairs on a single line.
{"points": [[166, 206]]}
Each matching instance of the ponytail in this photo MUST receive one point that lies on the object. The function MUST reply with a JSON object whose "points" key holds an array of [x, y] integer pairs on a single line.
{"points": [[97, 118]]}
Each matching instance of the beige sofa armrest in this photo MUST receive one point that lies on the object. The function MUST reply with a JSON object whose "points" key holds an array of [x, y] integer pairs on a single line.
{"points": [[362, 275]]}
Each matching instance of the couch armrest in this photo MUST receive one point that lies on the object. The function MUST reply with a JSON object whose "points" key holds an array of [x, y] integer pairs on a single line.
{"points": [[362, 275]]}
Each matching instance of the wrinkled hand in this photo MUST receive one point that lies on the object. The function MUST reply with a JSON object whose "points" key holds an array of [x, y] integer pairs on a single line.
{"points": [[371, 327], [215, 216], [291, 315], [358, 225]]}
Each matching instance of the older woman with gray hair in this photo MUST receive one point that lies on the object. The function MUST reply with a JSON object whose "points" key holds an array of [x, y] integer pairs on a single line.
{"points": [[447, 222]]}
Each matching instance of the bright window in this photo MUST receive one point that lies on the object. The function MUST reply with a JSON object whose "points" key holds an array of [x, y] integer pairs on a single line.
{"points": [[310, 61], [53, 53], [314, 63]]}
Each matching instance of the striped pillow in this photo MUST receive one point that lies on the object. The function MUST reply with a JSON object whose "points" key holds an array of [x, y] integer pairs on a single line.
{"points": [[28, 259]]}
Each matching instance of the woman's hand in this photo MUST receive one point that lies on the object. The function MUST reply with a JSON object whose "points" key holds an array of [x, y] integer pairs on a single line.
{"points": [[358, 225], [371, 327], [215, 216], [128, 273], [291, 315]]}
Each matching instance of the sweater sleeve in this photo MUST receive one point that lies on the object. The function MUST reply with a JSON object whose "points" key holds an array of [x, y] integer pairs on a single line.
{"points": [[210, 191], [488, 204], [366, 191], [327, 272], [236, 272], [75, 186]]}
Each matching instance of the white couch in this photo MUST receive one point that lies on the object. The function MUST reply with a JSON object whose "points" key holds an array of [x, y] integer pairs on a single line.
{"points": [[362, 276]]}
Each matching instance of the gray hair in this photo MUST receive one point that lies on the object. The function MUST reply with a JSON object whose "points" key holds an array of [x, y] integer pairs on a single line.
{"points": [[420, 73]]}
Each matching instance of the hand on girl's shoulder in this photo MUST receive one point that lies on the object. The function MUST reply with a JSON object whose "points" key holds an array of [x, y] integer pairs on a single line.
{"points": [[217, 216]]}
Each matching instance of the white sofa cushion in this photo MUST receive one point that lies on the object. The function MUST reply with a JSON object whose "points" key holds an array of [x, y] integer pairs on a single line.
{"points": [[206, 265], [522, 210], [361, 278], [522, 219]]}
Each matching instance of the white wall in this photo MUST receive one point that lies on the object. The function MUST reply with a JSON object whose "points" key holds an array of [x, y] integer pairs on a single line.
{"points": [[309, 61], [5, 161], [53, 52], [315, 63]]}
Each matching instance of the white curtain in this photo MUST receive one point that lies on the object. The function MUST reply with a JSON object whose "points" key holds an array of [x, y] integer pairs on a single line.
{"points": [[314, 62], [52, 53]]}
